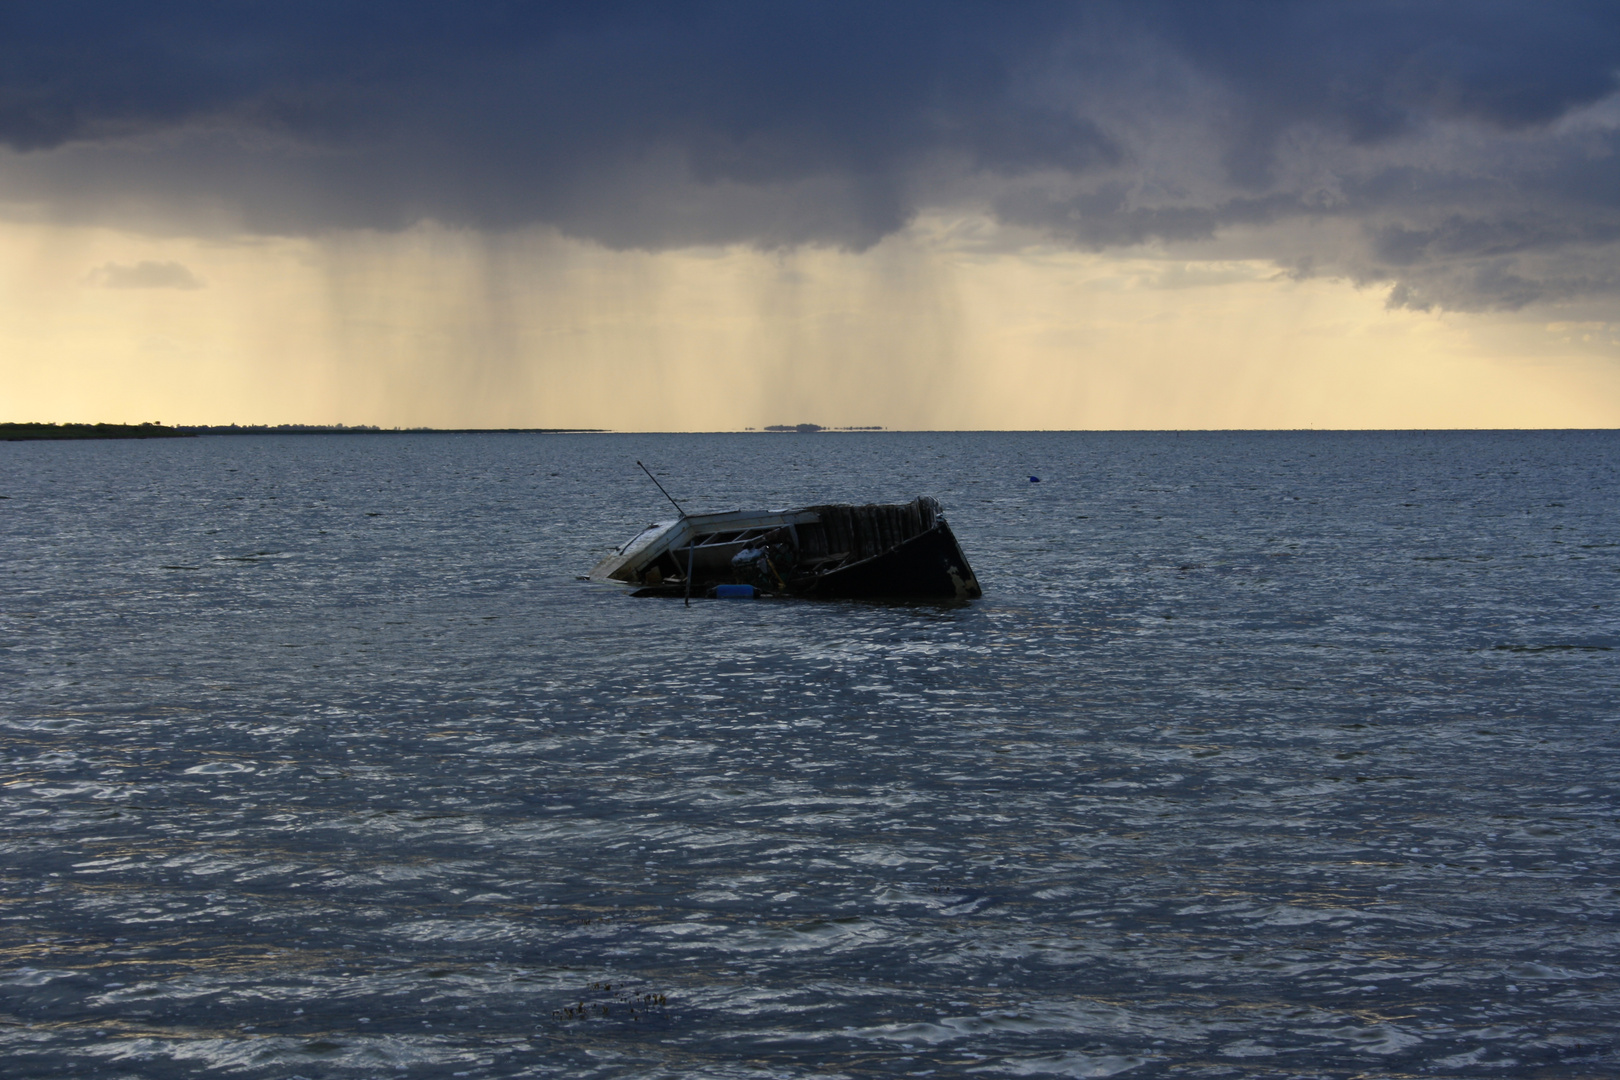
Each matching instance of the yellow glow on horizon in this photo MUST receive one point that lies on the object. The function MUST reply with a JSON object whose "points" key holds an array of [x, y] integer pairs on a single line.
{"points": [[448, 328]]}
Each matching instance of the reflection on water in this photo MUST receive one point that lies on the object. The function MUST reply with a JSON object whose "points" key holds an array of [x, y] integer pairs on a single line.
{"points": [[1264, 755]]}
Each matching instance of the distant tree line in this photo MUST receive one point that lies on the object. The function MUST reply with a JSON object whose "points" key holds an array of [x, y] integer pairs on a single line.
{"points": [[29, 431]]}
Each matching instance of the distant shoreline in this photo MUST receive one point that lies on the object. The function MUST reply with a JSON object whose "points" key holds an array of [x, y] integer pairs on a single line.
{"points": [[341, 429], [33, 432]]}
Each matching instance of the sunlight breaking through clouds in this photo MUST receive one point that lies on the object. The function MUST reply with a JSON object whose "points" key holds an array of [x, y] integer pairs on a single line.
{"points": [[944, 214]]}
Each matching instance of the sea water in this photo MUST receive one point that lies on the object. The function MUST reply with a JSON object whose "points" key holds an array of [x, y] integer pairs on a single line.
{"points": [[1263, 755]]}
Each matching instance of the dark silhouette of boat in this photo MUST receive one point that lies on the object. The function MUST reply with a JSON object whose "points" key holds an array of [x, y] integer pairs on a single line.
{"points": [[874, 550]]}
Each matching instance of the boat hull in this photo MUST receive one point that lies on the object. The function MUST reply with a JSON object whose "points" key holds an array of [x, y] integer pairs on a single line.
{"points": [[929, 566], [835, 551]]}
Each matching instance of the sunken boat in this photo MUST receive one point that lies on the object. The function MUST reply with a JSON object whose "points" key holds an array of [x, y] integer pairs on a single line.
{"points": [[840, 551]]}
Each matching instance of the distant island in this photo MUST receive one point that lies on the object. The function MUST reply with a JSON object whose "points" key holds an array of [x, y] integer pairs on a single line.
{"points": [[33, 431], [13, 432], [372, 429], [29, 432]]}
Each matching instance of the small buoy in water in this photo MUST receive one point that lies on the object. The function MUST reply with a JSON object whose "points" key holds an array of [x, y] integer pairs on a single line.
{"points": [[734, 592], [1034, 479]]}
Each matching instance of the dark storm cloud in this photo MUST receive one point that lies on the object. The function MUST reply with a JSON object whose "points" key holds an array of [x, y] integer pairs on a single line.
{"points": [[1376, 71], [1434, 129]]}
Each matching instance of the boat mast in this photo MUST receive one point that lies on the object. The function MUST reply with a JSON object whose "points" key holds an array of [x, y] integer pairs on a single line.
{"points": [[691, 540]]}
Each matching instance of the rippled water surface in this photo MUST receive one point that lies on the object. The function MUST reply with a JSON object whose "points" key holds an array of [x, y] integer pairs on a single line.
{"points": [[1264, 755]]}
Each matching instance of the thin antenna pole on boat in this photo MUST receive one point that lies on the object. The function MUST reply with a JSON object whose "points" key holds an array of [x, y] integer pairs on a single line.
{"points": [[691, 541], [667, 495]]}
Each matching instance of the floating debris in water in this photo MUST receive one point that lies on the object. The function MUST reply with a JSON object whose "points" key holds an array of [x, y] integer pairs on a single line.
{"points": [[602, 1002]]}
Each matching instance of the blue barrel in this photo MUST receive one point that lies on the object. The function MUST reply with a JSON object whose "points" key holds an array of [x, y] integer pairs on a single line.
{"points": [[734, 592]]}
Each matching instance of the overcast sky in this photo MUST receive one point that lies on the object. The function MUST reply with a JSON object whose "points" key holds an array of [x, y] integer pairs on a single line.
{"points": [[909, 195]]}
